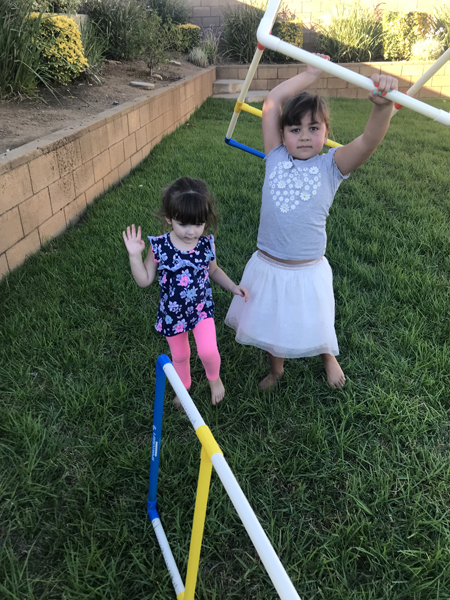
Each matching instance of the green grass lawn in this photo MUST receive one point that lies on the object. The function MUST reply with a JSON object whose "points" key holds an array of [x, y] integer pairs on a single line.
{"points": [[352, 486]]}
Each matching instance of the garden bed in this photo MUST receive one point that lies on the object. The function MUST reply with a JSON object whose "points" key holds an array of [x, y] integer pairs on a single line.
{"points": [[22, 121]]}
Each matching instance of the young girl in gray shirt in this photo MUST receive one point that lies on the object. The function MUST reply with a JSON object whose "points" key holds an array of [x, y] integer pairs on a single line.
{"points": [[290, 312]]}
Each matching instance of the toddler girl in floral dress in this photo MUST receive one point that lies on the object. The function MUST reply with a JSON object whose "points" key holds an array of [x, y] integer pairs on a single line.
{"points": [[185, 261]]}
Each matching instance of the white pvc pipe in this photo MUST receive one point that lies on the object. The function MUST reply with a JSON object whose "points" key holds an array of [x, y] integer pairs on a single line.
{"points": [[168, 556], [426, 76], [274, 43], [186, 401], [270, 560], [248, 79]]}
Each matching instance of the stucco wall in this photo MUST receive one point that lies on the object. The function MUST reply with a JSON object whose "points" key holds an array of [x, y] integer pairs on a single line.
{"points": [[46, 185]]}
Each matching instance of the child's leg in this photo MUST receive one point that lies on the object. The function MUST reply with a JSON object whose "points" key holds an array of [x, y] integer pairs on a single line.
{"points": [[205, 338], [276, 371], [335, 375], [181, 353]]}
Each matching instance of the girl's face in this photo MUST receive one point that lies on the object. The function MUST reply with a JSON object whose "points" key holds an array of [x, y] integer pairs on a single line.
{"points": [[187, 235], [305, 140]]}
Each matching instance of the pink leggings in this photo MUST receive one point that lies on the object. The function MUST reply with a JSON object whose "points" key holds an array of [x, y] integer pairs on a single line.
{"points": [[205, 338]]}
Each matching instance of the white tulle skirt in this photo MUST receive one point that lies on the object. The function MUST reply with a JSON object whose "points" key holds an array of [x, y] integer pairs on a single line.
{"points": [[290, 312]]}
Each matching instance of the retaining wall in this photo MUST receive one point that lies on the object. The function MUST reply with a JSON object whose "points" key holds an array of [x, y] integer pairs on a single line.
{"points": [[268, 76], [47, 184]]}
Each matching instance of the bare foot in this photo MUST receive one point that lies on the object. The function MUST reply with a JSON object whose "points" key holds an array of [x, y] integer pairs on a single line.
{"points": [[269, 381], [217, 390], [335, 375]]}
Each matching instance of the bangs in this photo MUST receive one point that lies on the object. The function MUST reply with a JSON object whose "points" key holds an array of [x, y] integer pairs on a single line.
{"points": [[189, 209], [298, 106]]}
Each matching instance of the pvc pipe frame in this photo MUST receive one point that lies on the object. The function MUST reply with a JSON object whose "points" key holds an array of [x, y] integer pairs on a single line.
{"points": [[265, 38], [425, 77], [211, 456]]}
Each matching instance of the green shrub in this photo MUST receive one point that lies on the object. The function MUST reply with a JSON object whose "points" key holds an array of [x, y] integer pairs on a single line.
{"points": [[429, 48], [239, 33], [401, 30], [171, 33], [441, 21], [190, 36], [124, 24], [178, 11], [350, 33], [60, 46], [157, 42], [19, 57], [197, 56]]}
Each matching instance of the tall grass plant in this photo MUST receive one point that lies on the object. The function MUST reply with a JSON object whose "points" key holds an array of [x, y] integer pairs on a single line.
{"points": [[351, 33], [19, 56]]}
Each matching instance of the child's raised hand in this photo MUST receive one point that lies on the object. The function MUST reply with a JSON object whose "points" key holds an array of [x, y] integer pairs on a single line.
{"points": [[314, 70], [242, 291], [383, 84], [135, 245]]}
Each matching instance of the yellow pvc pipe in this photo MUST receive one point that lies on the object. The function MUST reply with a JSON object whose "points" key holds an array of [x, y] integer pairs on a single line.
{"points": [[204, 480]]}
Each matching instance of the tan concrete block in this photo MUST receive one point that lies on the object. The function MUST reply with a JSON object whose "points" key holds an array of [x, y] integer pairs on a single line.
{"points": [[335, 83], [136, 159], [24, 248], [44, 170], [129, 145], [75, 209], [272, 83], [445, 92], [69, 157], [392, 69], [120, 129], [195, 3], [182, 94], [4, 270], [94, 192], [35, 210], [147, 149], [53, 227], [286, 72], [133, 121], [145, 115], [102, 165], [327, 92], [62, 192], [124, 168], [416, 70], [15, 187], [84, 178], [362, 94], [155, 128], [210, 3], [242, 72], [347, 93], [157, 108], [260, 84], [429, 93], [322, 83], [216, 14], [10, 229], [94, 142], [141, 137], [201, 11], [439, 81], [111, 179], [368, 70], [116, 155], [227, 72]]}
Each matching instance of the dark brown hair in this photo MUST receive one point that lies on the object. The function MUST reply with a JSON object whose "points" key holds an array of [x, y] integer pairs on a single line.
{"points": [[189, 202], [296, 108]]}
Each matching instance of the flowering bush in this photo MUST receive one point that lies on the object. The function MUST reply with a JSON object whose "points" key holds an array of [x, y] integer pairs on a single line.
{"points": [[59, 43], [209, 42], [190, 36], [430, 47]]}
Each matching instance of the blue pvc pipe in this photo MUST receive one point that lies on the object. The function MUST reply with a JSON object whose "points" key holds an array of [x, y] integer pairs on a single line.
{"points": [[157, 427], [235, 144]]}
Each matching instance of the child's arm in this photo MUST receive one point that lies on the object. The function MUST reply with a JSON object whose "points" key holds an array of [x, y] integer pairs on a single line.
{"points": [[350, 157], [218, 276], [143, 272], [277, 98]]}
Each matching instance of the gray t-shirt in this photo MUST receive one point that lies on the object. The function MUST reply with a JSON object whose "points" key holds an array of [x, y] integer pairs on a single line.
{"points": [[296, 198]]}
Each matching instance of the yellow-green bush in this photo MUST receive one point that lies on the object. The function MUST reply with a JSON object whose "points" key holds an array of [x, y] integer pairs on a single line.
{"points": [[59, 43], [190, 36], [401, 30]]}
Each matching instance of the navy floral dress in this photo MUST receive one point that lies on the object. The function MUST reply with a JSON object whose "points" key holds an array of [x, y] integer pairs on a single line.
{"points": [[183, 277]]}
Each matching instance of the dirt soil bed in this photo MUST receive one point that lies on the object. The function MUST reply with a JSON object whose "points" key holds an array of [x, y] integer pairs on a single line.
{"points": [[25, 120]]}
